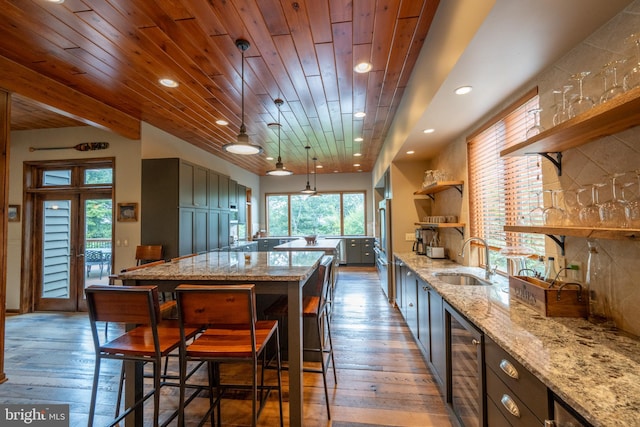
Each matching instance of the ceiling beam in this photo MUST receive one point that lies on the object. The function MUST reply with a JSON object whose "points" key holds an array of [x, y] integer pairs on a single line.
{"points": [[66, 101]]}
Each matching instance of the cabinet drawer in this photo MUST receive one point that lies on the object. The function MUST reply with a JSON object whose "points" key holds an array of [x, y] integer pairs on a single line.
{"points": [[494, 416], [509, 405], [526, 385]]}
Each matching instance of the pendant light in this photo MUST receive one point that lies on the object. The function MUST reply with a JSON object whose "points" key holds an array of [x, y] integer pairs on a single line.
{"points": [[307, 189], [242, 145], [315, 174], [279, 170]]}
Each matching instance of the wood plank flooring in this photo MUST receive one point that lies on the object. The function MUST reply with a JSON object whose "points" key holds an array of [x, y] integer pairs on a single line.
{"points": [[382, 378]]}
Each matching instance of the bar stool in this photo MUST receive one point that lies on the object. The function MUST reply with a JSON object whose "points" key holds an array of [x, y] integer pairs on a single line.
{"points": [[314, 306], [229, 331], [148, 342]]}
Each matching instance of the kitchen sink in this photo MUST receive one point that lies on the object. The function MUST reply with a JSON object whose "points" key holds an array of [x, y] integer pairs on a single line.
{"points": [[462, 279]]}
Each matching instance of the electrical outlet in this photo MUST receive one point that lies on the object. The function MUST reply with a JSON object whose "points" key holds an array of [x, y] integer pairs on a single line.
{"points": [[409, 236]]}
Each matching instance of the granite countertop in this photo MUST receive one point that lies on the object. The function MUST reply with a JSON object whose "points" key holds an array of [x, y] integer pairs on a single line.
{"points": [[594, 370], [301, 244], [252, 266]]}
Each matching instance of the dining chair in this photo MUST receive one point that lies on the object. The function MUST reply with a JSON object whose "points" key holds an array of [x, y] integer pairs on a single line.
{"points": [[93, 257], [314, 305], [149, 341], [229, 331], [148, 253]]}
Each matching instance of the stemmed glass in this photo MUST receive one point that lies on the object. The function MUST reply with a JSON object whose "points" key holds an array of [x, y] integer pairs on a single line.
{"points": [[536, 215], [590, 213], [536, 128], [562, 115], [612, 212], [582, 103], [573, 204], [554, 215], [632, 207], [632, 78], [615, 88]]}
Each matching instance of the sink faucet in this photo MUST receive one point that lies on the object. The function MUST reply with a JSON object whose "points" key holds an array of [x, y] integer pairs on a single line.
{"points": [[487, 268]]}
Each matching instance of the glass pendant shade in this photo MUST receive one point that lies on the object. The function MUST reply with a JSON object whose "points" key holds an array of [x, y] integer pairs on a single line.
{"points": [[242, 145], [279, 170], [307, 189]]}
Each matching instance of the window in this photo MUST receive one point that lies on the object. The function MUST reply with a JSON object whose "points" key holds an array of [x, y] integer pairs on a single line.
{"points": [[327, 214], [502, 191]]}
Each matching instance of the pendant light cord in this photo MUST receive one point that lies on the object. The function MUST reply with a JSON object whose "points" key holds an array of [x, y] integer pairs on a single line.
{"points": [[243, 129]]}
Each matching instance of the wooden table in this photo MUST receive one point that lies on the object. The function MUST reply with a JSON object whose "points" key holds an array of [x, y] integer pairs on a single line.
{"points": [[272, 272]]}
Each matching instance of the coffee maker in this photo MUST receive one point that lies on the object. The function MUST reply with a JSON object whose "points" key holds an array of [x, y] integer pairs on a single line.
{"points": [[418, 243]]}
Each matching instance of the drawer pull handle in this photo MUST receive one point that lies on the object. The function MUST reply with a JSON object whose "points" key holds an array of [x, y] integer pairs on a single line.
{"points": [[475, 342], [510, 405], [509, 369]]}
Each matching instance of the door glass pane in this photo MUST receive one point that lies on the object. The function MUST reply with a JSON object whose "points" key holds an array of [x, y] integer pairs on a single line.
{"points": [[98, 228], [278, 215], [56, 177], [98, 176], [56, 243]]}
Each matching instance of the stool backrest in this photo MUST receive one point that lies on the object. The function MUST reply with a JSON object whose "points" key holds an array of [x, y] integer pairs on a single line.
{"points": [[326, 264], [212, 306], [148, 253], [124, 304]]}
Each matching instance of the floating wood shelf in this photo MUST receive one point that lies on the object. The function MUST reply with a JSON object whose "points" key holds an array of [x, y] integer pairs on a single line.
{"points": [[621, 113], [585, 232], [439, 186]]}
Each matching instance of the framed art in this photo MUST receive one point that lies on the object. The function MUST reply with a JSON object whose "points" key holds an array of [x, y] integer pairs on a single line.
{"points": [[13, 214], [127, 212]]}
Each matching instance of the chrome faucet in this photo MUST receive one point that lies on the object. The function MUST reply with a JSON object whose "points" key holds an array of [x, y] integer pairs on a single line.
{"points": [[487, 268]]}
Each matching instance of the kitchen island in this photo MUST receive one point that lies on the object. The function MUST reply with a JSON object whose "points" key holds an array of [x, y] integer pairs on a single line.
{"points": [[272, 273], [594, 370]]}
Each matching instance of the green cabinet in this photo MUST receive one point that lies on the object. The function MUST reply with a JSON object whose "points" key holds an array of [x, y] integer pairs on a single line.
{"points": [[431, 329], [359, 250], [242, 204]]}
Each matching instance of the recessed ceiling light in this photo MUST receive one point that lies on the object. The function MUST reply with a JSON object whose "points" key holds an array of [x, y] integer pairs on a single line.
{"points": [[410, 152], [360, 114], [463, 90], [319, 167], [356, 165], [55, 1], [358, 139], [168, 82], [335, 171], [357, 154], [269, 158], [222, 122], [428, 130], [363, 67]]}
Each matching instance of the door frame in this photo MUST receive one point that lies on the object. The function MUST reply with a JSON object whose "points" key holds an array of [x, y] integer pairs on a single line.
{"points": [[31, 170]]}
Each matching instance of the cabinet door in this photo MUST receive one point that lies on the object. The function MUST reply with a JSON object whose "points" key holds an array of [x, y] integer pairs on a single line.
{"points": [[214, 199], [187, 171], [223, 192], [201, 219], [233, 194], [411, 300], [223, 229], [213, 233], [354, 251], [242, 204], [424, 308], [187, 226], [398, 274], [367, 254], [437, 336], [200, 187]]}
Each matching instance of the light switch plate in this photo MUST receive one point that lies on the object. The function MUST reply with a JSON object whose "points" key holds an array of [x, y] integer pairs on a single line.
{"points": [[409, 236]]}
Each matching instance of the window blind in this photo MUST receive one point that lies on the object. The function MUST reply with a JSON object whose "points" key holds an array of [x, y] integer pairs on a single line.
{"points": [[502, 191]]}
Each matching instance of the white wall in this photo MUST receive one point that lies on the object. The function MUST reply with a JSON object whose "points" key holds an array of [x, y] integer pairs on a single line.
{"points": [[325, 183]]}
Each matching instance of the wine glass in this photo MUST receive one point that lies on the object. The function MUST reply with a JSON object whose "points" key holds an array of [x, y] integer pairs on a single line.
{"points": [[536, 215], [573, 204], [582, 103], [554, 215], [612, 212], [632, 78], [590, 213], [562, 115], [536, 128], [614, 89], [632, 207]]}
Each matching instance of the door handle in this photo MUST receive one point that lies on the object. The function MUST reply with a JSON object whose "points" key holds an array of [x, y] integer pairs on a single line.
{"points": [[80, 256]]}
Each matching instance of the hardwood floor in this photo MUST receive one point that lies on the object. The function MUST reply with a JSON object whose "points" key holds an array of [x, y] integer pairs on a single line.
{"points": [[382, 378]]}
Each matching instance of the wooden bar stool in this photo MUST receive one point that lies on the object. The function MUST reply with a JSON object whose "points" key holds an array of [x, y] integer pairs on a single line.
{"points": [[315, 305], [148, 342], [229, 331]]}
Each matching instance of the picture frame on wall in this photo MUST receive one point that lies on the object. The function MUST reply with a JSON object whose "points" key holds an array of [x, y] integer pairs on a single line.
{"points": [[127, 212], [13, 214]]}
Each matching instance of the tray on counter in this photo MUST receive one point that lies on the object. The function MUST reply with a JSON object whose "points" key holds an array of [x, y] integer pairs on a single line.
{"points": [[560, 300]]}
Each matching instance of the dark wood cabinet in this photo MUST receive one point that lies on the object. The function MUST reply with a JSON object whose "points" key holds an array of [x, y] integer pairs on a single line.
{"points": [[185, 207]]}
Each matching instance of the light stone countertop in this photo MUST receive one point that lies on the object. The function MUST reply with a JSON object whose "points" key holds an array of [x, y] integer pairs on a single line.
{"points": [[301, 244], [258, 266], [595, 371]]}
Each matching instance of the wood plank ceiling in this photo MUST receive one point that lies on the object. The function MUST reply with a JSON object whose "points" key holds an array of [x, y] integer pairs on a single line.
{"points": [[115, 51]]}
